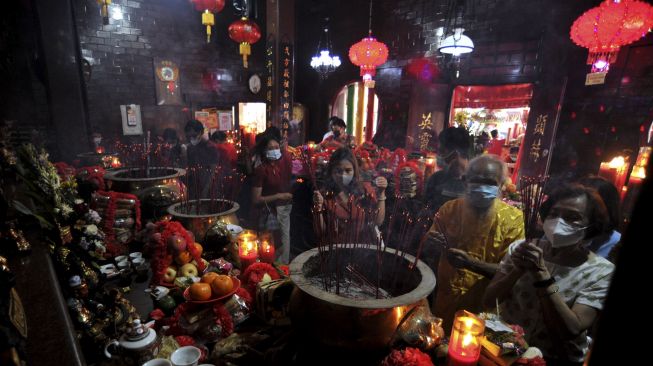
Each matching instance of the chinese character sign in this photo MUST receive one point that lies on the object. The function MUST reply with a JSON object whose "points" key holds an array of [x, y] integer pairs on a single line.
{"points": [[425, 126], [285, 79], [269, 78]]}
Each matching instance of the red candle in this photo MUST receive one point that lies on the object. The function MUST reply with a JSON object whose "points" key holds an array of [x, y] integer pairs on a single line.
{"points": [[247, 254], [267, 252], [465, 340]]}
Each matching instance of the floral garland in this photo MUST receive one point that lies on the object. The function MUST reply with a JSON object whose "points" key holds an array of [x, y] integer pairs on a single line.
{"points": [[255, 273], [93, 174], [413, 166], [223, 319], [407, 357], [109, 219]]}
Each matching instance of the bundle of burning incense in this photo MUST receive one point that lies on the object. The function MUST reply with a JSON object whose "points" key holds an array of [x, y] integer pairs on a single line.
{"points": [[532, 194]]}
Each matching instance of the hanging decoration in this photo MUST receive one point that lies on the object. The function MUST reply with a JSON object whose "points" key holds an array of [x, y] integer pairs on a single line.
{"points": [[609, 26], [367, 54], [208, 8], [451, 40], [323, 62], [246, 32]]}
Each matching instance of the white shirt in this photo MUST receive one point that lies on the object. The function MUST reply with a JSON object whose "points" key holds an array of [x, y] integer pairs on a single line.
{"points": [[327, 135], [585, 284]]}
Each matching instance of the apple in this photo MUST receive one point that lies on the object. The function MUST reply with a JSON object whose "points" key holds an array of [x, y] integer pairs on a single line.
{"points": [[188, 270], [199, 248], [183, 258], [177, 243], [206, 263], [170, 274]]}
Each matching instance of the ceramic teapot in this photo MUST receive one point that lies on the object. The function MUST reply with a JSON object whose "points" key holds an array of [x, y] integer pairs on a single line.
{"points": [[138, 345]]}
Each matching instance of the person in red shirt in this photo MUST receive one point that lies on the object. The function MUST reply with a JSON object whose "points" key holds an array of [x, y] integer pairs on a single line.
{"points": [[496, 145], [226, 149], [271, 192]]}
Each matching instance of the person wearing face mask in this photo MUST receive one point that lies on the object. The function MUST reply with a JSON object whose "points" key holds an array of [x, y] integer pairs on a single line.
{"points": [[555, 287], [351, 197], [339, 137], [271, 192], [447, 184], [472, 234], [203, 157]]}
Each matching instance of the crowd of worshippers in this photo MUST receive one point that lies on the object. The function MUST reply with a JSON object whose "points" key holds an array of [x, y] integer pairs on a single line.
{"points": [[553, 286]]}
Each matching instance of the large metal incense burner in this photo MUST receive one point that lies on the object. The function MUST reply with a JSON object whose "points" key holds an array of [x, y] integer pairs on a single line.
{"points": [[200, 220], [156, 187], [333, 320]]}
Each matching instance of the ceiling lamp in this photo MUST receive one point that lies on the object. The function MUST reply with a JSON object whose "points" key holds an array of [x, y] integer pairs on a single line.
{"points": [[607, 27], [367, 54], [245, 32], [456, 44], [323, 62], [208, 7]]}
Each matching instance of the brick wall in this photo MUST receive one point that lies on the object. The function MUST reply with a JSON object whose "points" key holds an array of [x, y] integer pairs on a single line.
{"points": [[121, 54]]}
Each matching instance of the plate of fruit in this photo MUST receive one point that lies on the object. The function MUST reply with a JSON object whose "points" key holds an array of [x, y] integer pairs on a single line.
{"points": [[211, 288]]}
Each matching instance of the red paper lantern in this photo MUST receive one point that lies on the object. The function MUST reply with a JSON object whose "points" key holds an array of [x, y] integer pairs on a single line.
{"points": [[245, 32], [368, 53], [208, 7], [607, 27]]}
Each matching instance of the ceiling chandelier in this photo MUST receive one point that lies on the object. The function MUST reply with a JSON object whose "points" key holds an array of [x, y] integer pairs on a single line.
{"points": [[452, 40], [607, 27], [456, 44], [323, 62], [368, 53]]}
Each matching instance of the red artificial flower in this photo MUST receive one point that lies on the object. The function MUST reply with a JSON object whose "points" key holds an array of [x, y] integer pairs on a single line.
{"points": [[407, 357], [254, 274], [157, 314], [184, 340], [223, 319]]}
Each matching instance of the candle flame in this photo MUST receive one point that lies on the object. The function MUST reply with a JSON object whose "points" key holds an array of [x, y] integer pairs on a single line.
{"points": [[467, 339]]}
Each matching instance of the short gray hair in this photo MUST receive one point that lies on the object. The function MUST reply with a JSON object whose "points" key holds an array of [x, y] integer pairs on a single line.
{"points": [[484, 159]]}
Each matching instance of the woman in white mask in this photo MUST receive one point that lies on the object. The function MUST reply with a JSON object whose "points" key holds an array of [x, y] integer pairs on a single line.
{"points": [[271, 188], [349, 196], [555, 287]]}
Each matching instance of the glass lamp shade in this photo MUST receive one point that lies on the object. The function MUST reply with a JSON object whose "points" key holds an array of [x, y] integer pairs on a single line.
{"points": [[456, 44], [325, 60]]}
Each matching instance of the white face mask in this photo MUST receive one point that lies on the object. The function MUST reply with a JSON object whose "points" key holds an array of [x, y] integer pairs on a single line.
{"points": [[273, 154], [195, 140], [347, 178], [561, 234], [97, 140]]}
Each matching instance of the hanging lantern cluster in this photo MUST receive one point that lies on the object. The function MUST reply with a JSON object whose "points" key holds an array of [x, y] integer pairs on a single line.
{"points": [[609, 26], [208, 8], [246, 32], [367, 54]]}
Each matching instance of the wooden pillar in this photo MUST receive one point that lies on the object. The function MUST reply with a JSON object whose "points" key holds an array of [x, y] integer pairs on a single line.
{"points": [[65, 86]]}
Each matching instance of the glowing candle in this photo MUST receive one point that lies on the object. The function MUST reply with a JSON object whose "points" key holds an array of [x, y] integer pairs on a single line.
{"points": [[266, 252], [465, 342], [247, 249]]}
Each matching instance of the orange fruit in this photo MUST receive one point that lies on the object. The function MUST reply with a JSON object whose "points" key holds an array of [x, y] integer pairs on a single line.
{"points": [[222, 285], [183, 258], [200, 291], [209, 277]]}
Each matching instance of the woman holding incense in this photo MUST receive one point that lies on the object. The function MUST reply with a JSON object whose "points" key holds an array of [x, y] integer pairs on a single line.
{"points": [[271, 191], [554, 287], [345, 205]]}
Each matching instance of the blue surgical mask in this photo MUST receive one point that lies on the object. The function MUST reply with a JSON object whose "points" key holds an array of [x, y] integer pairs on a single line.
{"points": [[481, 195], [273, 154]]}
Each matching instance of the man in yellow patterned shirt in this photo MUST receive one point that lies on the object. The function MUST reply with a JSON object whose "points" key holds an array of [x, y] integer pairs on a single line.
{"points": [[477, 228]]}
